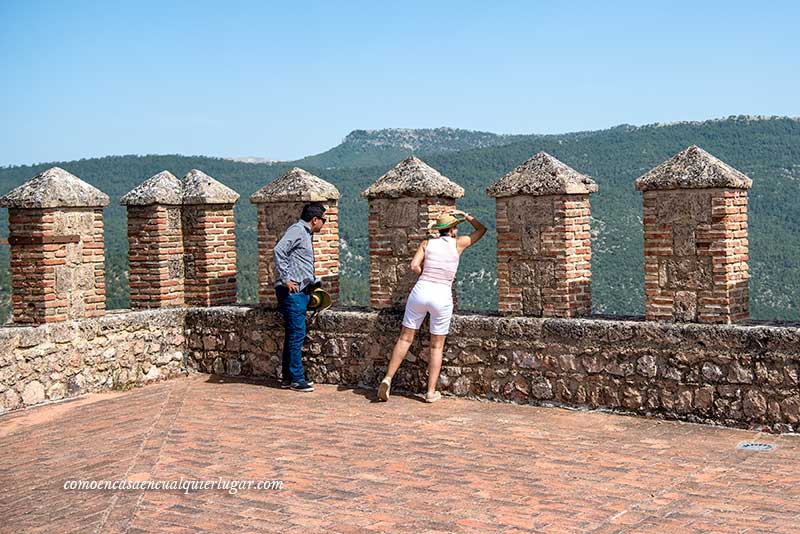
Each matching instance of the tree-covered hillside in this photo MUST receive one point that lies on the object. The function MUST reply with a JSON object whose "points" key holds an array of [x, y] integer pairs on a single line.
{"points": [[768, 150]]}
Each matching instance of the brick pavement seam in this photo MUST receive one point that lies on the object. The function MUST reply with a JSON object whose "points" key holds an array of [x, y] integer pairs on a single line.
{"points": [[182, 398], [635, 506]]}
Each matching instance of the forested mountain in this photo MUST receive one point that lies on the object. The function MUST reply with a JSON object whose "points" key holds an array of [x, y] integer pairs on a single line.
{"points": [[768, 150]]}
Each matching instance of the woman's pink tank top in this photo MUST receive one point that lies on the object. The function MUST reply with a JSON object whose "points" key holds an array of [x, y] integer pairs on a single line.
{"points": [[441, 261]]}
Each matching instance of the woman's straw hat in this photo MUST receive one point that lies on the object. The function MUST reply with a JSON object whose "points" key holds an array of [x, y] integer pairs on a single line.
{"points": [[445, 221]]}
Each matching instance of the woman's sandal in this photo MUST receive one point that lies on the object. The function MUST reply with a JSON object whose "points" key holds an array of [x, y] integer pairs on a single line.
{"points": [[383, 389], [433, 397]]}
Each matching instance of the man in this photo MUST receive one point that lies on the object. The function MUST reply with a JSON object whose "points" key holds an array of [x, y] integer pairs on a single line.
{"points": [[294, 265]]}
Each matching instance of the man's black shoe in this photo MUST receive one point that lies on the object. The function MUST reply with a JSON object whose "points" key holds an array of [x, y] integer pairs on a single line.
{"points": [[301, 386], [286, 384]]}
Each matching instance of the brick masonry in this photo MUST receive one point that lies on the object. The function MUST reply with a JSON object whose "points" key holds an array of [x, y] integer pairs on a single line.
{"points": [[209, 245], [696, 252], [155, 256], [544, 255], [397, 226], [57, 264], [273, 220]]}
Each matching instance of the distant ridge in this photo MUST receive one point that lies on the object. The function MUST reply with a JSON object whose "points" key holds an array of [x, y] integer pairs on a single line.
{"points": [[387, 146], [252, 159], [429, 139], [365, 148]]}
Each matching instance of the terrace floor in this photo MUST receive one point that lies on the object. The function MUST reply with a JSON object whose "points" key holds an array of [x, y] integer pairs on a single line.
{"points": [[352, 465]]}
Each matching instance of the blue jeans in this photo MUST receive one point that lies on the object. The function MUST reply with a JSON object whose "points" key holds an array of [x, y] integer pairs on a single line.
{"points": [[293, 307]]}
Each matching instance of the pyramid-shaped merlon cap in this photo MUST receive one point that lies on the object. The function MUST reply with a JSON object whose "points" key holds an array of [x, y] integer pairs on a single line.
{"points": [[55, 188], [543, 175], [693, 168], [163, 188], [412, 177], [200, 188], [296, 185]]}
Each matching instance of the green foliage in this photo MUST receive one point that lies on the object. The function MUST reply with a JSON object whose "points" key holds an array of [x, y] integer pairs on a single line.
{"points": [[767, 150]]}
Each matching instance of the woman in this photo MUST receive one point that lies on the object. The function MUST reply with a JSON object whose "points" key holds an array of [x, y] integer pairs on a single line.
{"points": [[436, 261]]}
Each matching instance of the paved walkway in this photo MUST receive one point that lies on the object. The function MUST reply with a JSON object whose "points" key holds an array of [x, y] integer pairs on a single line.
{"points": [[352, 465]]}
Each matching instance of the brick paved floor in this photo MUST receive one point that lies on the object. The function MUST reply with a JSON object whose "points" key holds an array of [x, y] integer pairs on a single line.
{"points": [[352, 465]]}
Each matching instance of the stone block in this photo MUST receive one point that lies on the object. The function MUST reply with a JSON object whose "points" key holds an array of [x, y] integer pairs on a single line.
{"points": [[175, 266], [400, 244], [532, 302], [685, 304], [33, 393], [683, 240], [541, 388], [84, 277], [531, 240], [530, 211], [689, 273], [754, 404], [688, 208], [65, 281], [173, 218], [646, 366], [73, 223], [280, 216], [400, 213]]}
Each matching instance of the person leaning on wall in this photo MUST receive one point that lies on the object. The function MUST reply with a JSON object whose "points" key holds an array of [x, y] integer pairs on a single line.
{"points": [[294, 264], [436, 263]]}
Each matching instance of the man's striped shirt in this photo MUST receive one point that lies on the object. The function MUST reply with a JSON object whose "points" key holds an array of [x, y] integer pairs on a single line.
{"points": [[294, 256]]}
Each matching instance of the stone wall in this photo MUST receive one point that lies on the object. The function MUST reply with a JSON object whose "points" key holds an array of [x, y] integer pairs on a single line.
{"points": [[120, 350], [737, 375], [724, 374]]}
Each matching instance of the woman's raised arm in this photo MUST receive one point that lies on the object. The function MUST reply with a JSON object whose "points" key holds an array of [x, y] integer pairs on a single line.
{"points": [[465, 241]]}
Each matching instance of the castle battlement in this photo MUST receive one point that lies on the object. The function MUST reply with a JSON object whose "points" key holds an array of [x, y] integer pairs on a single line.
{"points": [[695, 356]]}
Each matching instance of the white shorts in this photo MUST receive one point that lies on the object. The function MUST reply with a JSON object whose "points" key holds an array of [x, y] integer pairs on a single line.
{"points": [[429, 297]]}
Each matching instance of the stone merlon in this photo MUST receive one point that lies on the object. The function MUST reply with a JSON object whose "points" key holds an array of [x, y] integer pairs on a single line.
{"points": [[163, 188], [542, 175], [693, 168], [200, 188], [412, 177], [55, 188], [296, 185]]}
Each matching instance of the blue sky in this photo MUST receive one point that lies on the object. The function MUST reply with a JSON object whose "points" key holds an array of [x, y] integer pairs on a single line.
{"points": [[288, 79]]}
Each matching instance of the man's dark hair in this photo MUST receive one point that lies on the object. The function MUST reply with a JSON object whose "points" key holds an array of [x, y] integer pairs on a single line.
{"points": [[311, 210]]}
